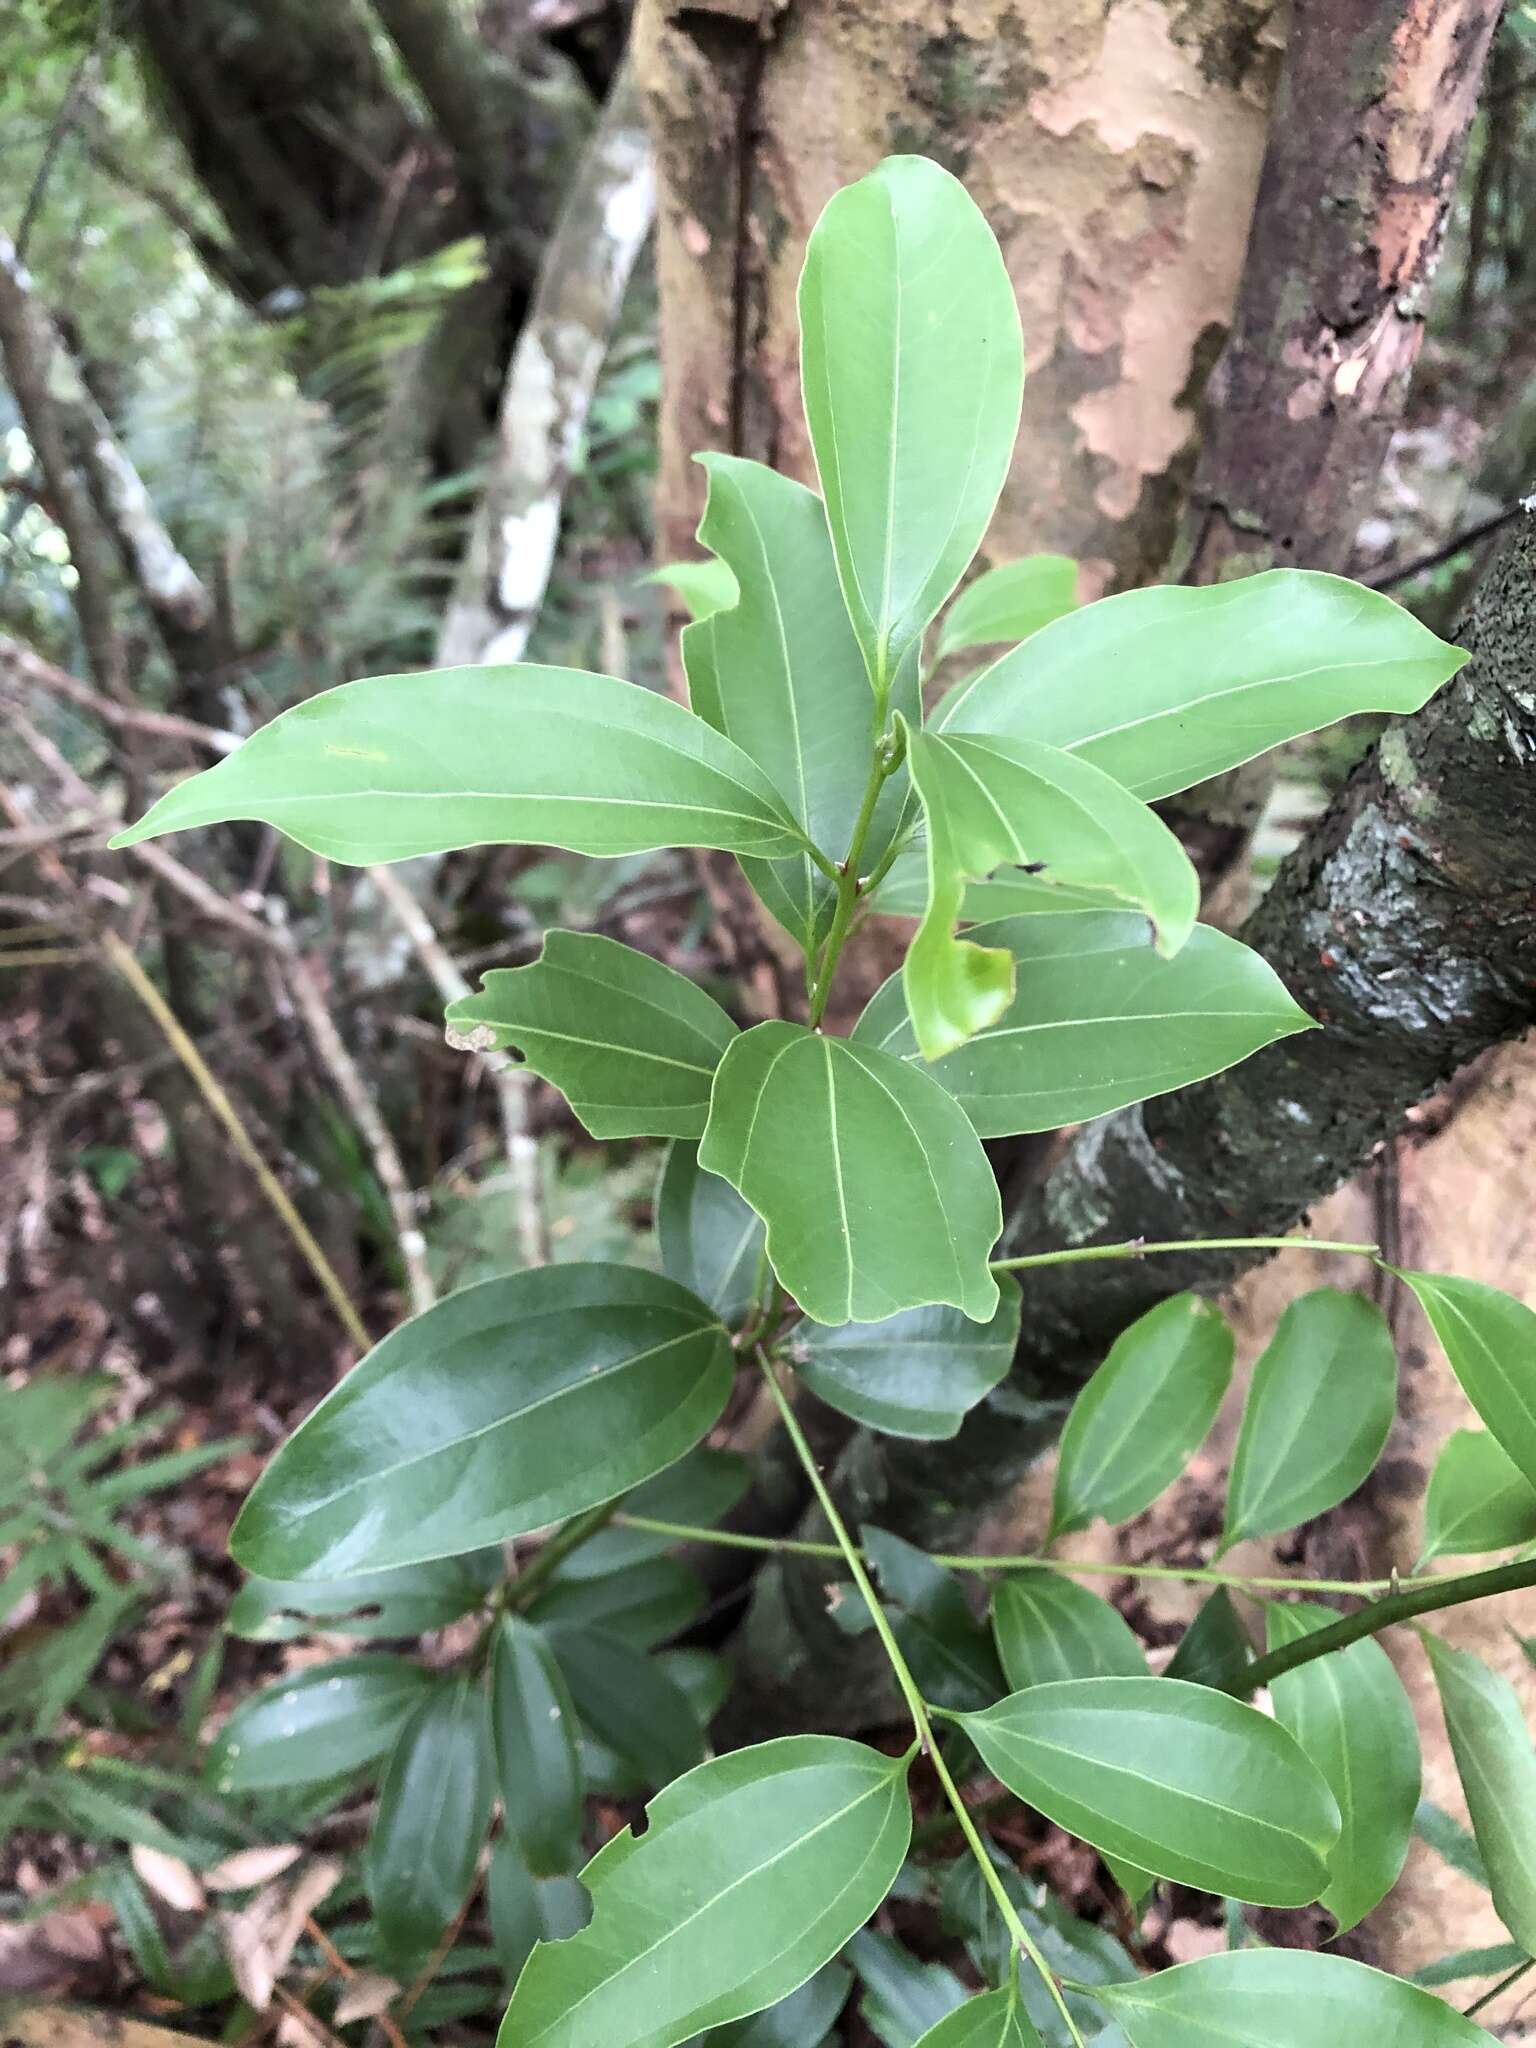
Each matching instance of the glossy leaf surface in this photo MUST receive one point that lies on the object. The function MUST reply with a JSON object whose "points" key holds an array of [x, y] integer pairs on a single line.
{"points": [[916, 1374], [1143, 1415], [642, 1603], [1283, 1998], [509, 1405], [1477, 1500], [374, 1604], [710, 1238], [631, 1044], [912, 364], [318, 1724], [1163, 687], [1490, 1339], [1048, 1627], [1497, 1768], [1174, 1778], [1098, 1020], [1009, 603], [753, 1871], [434, 1808], [533, 1732], [396, 766], [630, 1703], [698, 1489], [815, 1133]]}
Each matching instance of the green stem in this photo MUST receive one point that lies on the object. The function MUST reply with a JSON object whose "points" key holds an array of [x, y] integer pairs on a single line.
{"points": [[917, 1706], [1137, 1248], [1426, 1597], [887, 758], [540, 1567], [1471, 2012]]}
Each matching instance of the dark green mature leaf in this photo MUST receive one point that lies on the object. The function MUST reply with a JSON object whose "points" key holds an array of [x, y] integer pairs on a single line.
{"points": [[642, 1603], [507, 1406], [697, 1490], [631, 1044], [1497, 1768], [949, 1651], [1142, 1416], [1283, 1998], [372, 1605], [1082, 1953], [803, 2020], [401, 765], [710, 1239], [781, 674], [1490, 1340], [533, 1732], [525, 1909], [1216, 1648], [913, 368], [1174, 1778], [1322, 1400], [630, 1703], [1098, 1020], [319, 1724], [815, 1132], [704, 587], [990, 803], [1163, 687], [1477, 1499], [903, 1997], [1048, 1627], [434, 1808], [1009, 603], [916, 1374], [1350, 1714], [753, 1871], [995, 2020]]}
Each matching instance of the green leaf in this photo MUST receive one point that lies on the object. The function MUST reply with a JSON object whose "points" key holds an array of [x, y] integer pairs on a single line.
{"points": [[704, 587], [1477, 1499], [1450, 1841], [509, 1405], [1490, 1340], [803, 2020], [372, 1605], [1010, 892], [1216, 1648], [710, 1240], [912, 363], [401, 765], [434, 1808], [525, 1909], [698, 1490], [702, 1676], [321, 1723], [753, 1871], [1143, 1415], [1177, 1779], [632, 1045], [1048, 1627], [781, 674], [1081, 1953], [1497, 1768], [1009, 603], [1470, 1962], [903, 1997], [1098, 1020], [533, 1730], [642, 1604], [995, 2020], [630, 1703], [1316, 1419], [949, 1652], [916, 1374], [1163, 687], [1283, 1998], [992, 802], [815, 1132], [1350, 1714]]}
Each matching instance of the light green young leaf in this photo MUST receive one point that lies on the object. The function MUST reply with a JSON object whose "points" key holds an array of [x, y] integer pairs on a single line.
{"points": [[912, 363], [511, 1404], [1283, 1998], [916, 1374], [1477, 1499], [1497, 1768], [631, 1044], [1322, 1400], [630, 1702], [781, 674], [1174, 1778], [372, 1605], [698, 1490], [1048, 1627], [320, 1723], [1099, 1020], [533, 1732], [704, 587], [434, 1808], [1010, 892], [642, 1603], [1163, 687], [1010, 602], [395, 766], [995, 2020], [1143, 1415], [710, 1239], [753, 1871], [991, 802], [1490, 1339], [815, 1132], [1350, 1714]]}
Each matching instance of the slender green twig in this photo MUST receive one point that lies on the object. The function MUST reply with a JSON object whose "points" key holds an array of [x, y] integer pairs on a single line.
{"points": [[1478, 2004], [887, 758], [542, 1565], [917, 1706], [1138, 1248]]}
